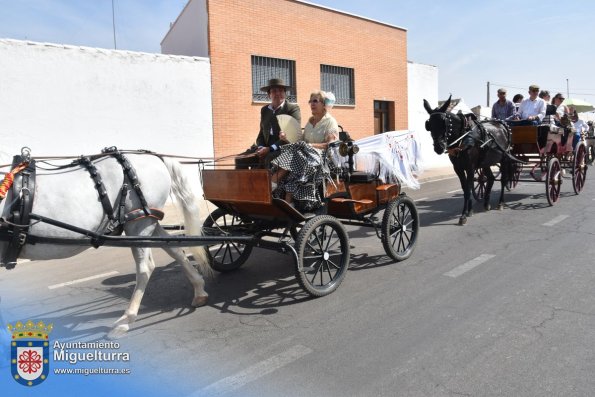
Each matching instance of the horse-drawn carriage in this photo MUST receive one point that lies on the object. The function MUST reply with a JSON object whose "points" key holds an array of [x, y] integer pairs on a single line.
{"points": [[105, 199], [480, 149]]}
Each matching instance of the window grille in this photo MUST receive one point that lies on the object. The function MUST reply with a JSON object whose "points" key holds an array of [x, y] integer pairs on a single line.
{"points": [[340, 81], [264, 69]]}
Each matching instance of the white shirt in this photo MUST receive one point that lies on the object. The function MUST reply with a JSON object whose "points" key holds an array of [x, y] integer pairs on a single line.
{"points": [[580, 126], [275, 111], [530, 108]]}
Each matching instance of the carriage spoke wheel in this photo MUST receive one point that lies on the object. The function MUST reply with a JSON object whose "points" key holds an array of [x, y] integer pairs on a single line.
{"points": [[479, 184], [400, 225], [553, 181], [225, 256], [323, 253], [579, 173]]}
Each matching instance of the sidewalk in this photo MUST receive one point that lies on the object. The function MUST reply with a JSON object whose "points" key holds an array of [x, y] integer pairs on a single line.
{"points": [[433, 174]]}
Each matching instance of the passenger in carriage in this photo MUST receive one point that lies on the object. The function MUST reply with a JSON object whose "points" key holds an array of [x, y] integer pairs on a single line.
{"points": [[532, 109], [561, 109], [503, 108], [580, 128], [550, 109], [267, 142], [516, 100], [301, 168]]}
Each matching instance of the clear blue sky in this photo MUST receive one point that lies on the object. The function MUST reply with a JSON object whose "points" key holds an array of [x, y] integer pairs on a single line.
{"points": [[506, 42]]}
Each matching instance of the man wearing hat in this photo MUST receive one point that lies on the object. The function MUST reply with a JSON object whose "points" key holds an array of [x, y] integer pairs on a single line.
{"points": [[267, 142], [532, 109], [503, 108]]}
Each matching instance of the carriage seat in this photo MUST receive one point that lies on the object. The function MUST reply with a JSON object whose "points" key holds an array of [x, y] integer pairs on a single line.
{"points": [[362, 177]]}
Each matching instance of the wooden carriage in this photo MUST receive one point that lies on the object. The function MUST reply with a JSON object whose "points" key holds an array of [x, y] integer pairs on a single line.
{"points": [[548, 152], [319, 241]]}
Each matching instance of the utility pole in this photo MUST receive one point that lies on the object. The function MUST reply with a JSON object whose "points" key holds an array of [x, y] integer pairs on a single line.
{"points": [[567, 90], [488, 96], [114, 24]]}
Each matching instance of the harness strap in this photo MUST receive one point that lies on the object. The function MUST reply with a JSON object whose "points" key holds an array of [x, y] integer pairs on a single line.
{"points": [[99, 186], [24, 189], [130, 172]]}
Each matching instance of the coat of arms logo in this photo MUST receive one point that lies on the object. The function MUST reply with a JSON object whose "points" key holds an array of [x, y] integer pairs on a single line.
{"points": [[30, 352]]}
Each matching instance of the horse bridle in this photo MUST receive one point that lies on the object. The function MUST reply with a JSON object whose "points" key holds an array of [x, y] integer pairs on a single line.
{"points": [[450, 128]]}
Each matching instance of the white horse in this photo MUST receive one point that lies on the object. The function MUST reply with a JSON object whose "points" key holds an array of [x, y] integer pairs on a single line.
{"points": [[69, 196]]}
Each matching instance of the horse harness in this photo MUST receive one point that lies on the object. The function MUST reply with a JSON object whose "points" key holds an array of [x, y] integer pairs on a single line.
{"points": [[468, 134], [22, 178]]}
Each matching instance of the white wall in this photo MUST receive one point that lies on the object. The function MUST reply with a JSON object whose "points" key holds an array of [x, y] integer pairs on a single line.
{"points": [[422, 83], [66, 100], [189, 33]]}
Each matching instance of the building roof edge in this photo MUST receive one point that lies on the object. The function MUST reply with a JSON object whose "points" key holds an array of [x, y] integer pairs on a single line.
{"points": [[349, 13]]}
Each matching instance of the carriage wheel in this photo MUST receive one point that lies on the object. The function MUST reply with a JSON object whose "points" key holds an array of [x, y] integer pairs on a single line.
{"points": [[553, 181], [579, 173], [400, 226], [225, 256], [479, 184], [323, 251]]}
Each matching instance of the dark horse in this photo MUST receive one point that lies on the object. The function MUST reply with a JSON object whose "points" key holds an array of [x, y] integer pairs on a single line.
{"points": [[471, 145]]}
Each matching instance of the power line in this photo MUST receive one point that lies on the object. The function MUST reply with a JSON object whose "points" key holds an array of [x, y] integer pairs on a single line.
{"points": [[577, 93]]}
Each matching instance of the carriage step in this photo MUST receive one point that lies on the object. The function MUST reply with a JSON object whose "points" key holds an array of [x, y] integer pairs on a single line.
{"points": [[346, 200]]}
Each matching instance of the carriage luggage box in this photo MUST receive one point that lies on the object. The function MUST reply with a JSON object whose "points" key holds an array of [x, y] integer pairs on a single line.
{"points": [[246, 192]]}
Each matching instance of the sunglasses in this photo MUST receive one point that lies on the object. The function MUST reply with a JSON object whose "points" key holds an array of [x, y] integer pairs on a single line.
{"points": [[314, 101]]}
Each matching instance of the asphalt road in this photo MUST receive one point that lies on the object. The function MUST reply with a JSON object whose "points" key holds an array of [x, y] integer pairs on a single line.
{"points": [[503, 306]]}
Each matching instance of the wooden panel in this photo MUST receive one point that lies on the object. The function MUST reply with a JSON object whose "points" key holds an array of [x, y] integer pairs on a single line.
{"points": [[388, 192], [524, 134], [250, 186], [359, 191]]}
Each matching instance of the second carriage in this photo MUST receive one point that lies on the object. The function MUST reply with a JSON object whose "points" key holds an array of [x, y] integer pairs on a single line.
{"points": [[549, 155]]}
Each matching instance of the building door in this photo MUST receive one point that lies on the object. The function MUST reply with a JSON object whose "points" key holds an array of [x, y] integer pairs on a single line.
{"points": [[383, 116]]}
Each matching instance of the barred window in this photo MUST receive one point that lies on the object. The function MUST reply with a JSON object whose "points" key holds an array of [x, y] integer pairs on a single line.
{"points": [[340, 81], [264, 69]]}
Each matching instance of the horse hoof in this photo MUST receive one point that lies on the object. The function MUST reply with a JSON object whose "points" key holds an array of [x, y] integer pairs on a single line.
{"points": [[487, 207], [500, 207], [200, 301], [462, 221], [118, 331], [470, 214]]}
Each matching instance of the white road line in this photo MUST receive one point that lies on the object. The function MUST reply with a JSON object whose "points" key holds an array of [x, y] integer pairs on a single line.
{"points": [[455, 191], [254, 372], [82, 280], [465, 267], [423, 199], [438, 180], [557, 219]]}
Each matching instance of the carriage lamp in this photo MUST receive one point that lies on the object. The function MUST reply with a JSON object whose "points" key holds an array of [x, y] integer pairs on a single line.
{"points": [[348, 149]]}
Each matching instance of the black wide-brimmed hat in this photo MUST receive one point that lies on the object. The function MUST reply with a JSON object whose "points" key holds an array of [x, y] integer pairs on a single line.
{"points": [[274, 83]]}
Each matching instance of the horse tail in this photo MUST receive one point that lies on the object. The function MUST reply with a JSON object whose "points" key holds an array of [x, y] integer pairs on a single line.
{"points": [[188, 200]]}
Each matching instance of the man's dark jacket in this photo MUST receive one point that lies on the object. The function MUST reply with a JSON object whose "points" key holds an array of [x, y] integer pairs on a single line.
{"points": [[268, 120]]}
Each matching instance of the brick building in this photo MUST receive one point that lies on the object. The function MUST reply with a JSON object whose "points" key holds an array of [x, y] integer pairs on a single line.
{"points": [[364, 62]]}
